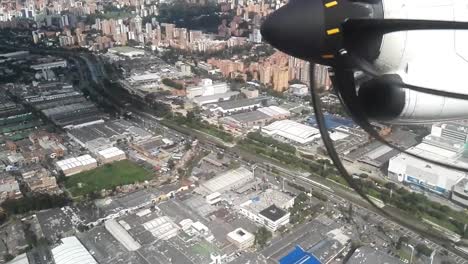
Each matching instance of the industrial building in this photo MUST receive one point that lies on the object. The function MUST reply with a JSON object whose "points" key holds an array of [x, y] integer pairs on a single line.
{"points": [[119, 233], [268, 208], [127, 52], [98, 135], [460, 192], [71, 251], [146, 78], [236, 106], [58, 98], [429, 176], [292, 131], [444, 144], [50, 65], [226, 181], [110, 155], [76, 165], [209, 99], [368, 255], [241, 238], [299, 256], [213, 198], [162, 228], [206, 88], [247, 120], [259, 117], [73, 114]]}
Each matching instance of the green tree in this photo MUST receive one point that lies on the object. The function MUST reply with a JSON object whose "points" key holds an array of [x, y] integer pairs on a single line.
{"points": [[422, 249], [262, 236], [7, 257], [171, 164], [363, 175]]}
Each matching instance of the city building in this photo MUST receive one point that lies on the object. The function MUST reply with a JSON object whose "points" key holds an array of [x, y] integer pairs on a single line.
{"points": [[213, 198], [460, 192], [226, 181], [210, 99], [299, 89], [127, 52], [241, 238], [236, 106], [162, 228], [206, 88], [368, 255], [9, 188], [250, 92], [119, 233], [247, 120], [292, 131], [71, 251], [299, 256], [429, 176], [147, 78], [110, 155], [332, 246], [76, 165], [259, 118], [39, 180], [444, 144], [273, 217], [268, 208], [50, 65]]}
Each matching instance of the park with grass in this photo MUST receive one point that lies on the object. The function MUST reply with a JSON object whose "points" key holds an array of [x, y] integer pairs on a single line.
{"points": [[107, 177]]}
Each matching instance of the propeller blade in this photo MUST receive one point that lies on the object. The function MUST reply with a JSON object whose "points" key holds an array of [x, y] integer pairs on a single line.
{"points": [[312, 76], [360, 26]]}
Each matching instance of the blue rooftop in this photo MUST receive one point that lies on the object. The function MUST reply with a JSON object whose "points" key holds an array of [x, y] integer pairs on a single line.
{"points": [[331, 121], [299, 256]]}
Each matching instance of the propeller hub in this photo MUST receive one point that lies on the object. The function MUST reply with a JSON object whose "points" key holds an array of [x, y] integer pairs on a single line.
{"points": [[311, 29]]}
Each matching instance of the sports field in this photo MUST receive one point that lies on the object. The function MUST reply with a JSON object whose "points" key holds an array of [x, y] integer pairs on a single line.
{"points": [[107, 177]]}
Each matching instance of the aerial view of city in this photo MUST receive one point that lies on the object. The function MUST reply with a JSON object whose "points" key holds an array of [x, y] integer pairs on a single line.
{"points": [[172, 131]]}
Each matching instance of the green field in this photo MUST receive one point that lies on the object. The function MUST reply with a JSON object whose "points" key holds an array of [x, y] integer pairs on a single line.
{"points": [[106, 177]]}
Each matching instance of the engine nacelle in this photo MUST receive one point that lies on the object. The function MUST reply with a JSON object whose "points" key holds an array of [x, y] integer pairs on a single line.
{"points": [[382, 101]]}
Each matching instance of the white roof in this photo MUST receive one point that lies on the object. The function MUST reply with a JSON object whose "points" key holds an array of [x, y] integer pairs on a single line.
{"points": [[227, 179], [20, 259], [213, 196], [186, 223], [70, 163], [240, 235], [201, 100], [71, 251], [144, 77], [111, 152], [143, 212], [274, 111], [199, 226], [426, 172], [119, 233], [338, 135], [292, 130], [162, 227], [257, 202]]}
